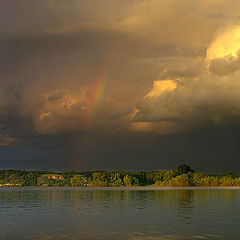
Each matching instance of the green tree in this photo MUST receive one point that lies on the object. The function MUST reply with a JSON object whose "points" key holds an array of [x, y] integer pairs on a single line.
{"points": [[127, 181], [182, 180], [77, 181], [135, 181], [100, 179], [183, 168]]}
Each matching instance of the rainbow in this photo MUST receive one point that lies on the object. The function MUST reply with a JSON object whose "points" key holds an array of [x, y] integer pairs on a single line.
{"points": [[96, 92], [95, 96]]}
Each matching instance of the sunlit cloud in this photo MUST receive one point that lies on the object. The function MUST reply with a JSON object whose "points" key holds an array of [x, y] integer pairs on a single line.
{"points": [[223, 53], [160, 87], [225, 45], [208, 99], [124, 68]]}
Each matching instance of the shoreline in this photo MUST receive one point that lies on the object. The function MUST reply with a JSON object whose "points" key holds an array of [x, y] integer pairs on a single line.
{"points": [[140, 188]]}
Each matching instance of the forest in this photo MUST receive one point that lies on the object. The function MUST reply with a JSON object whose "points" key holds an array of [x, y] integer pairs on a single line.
{"points": [[183, 175]]}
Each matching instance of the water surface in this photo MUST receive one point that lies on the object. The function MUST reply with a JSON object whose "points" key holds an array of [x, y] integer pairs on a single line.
{"points": [[116, 213]]}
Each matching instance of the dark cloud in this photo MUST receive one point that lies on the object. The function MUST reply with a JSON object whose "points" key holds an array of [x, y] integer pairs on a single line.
{"points": [[214, 150], [224, 66], [82, 81]]}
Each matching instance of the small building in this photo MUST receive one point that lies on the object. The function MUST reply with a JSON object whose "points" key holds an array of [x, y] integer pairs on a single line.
{"points": [[53, 176]]}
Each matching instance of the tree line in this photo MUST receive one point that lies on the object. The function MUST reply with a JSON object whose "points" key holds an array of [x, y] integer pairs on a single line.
{"points": [[183, 175]]}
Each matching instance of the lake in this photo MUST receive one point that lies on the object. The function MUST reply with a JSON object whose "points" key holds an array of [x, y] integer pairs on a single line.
{"points": [[119, 213]]}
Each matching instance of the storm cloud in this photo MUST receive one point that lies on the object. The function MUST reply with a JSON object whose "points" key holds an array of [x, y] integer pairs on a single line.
{"points": [[79, 75]]}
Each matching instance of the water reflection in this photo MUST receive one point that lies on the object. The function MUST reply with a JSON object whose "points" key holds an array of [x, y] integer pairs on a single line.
{"points": [[59, 213]]}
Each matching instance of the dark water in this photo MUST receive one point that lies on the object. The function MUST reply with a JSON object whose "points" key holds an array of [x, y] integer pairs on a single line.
{"points": [[68, 213]]}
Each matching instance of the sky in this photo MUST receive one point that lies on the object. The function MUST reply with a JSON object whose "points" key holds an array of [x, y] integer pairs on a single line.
{"points": [[128, 85]]}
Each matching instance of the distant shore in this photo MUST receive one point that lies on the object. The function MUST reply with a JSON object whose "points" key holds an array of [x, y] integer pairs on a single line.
{"points": [[182, 176], [139, 188]]}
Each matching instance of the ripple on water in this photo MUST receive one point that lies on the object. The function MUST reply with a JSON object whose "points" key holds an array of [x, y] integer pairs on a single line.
{"points": [[68, 213]]}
